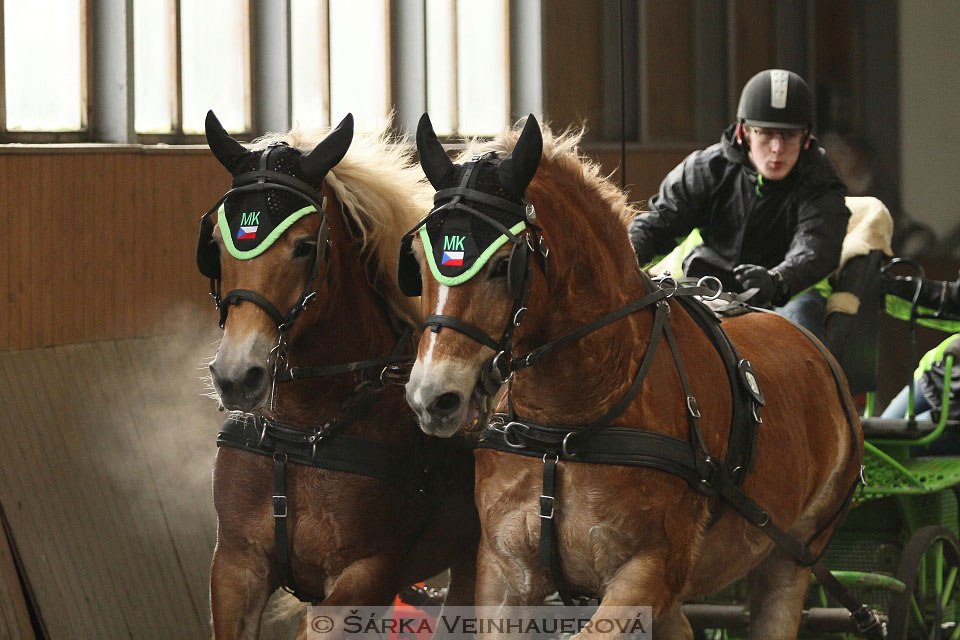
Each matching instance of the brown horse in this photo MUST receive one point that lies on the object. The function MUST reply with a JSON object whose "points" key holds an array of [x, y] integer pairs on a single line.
{"points": [[353, 538], [630, 535]]}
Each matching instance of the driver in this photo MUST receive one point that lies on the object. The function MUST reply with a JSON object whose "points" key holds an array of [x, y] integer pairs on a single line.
{"points": [[766, 201]]}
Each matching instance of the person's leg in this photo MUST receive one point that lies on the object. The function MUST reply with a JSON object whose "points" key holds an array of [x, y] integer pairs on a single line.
{"points": [[898, 406], [808, 310]]}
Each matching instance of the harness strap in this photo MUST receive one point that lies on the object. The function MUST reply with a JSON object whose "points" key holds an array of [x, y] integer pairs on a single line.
{"points": [[536, 355], [280, 534], [439, 321], [469, 193], [238, 295], [302, 373], [549, 554]]}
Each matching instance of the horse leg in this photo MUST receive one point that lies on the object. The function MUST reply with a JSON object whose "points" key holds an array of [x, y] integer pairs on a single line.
{"points": [[239, 590], [640, 582], [369, 582], [503, 581], [778, 586]]}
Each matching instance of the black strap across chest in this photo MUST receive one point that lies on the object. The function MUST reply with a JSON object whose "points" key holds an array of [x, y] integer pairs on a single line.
{"points": [[324, 449]]}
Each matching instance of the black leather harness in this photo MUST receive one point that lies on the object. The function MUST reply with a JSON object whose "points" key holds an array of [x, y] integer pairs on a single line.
{"points": [[327, 446], [600, 443]]}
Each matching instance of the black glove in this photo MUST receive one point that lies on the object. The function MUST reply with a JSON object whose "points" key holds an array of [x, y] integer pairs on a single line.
{"points": [[766, 282]]}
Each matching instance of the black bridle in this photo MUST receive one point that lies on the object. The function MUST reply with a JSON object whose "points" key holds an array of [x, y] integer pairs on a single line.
{"points": [[325, 447], [498, 368], [263, 179]]}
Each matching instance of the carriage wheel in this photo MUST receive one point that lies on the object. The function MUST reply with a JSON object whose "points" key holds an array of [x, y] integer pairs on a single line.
{"points": [[929, 567]]}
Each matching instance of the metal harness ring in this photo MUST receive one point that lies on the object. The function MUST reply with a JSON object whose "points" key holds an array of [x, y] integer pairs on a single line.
{"points": [[702, 283]]}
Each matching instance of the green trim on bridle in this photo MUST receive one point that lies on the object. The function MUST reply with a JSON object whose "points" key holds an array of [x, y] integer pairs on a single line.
{"points": [[227, 234], [477, 264]]}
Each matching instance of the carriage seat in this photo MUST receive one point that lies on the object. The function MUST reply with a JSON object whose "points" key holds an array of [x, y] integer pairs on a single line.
{"points": [[855, 304]]}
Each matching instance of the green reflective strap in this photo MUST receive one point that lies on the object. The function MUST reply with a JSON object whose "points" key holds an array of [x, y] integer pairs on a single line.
{"points": [[270, 239], [475, 267]]}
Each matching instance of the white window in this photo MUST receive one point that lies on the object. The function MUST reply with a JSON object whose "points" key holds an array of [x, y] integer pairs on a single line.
{"points": [[44, 62], [468, 75], [339, 61], [173, 90]]}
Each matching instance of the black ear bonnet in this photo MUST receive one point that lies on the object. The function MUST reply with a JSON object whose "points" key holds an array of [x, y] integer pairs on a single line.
{"points": [[271, 190], [477, 209]]}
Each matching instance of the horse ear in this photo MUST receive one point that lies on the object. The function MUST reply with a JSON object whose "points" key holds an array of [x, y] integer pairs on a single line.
{"points": [[227, 150], [434, 160], [330, 151], [518, 168]]}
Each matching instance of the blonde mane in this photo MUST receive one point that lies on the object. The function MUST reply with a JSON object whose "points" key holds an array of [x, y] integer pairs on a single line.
{"points": [[571, 185], [562, 154], [385, 194]]}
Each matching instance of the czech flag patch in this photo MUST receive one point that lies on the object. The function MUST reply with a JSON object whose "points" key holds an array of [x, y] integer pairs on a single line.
{"points": [[247, 233], [452, 259]]}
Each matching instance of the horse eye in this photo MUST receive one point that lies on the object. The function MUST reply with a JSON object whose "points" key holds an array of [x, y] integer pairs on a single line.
{"points": [[499, 268], [304, 249]]}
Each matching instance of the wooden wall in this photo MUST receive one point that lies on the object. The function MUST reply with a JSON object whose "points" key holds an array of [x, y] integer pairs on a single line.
{"points": [[98, 242]]}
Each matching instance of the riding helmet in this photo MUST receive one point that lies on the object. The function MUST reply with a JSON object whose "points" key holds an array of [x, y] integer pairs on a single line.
{"points": [[778, 99]]}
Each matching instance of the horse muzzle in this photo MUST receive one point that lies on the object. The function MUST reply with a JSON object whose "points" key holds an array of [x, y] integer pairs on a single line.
{"points": [[440, 398], [241, 377]]}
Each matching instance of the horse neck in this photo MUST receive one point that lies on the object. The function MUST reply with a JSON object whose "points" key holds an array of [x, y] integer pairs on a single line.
{"points": [[353, 325], [581, 379]]}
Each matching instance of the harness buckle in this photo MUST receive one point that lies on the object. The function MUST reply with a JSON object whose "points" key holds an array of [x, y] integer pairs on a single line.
{"points": [[692, 407], [544, 249], [279, 506], [546, 507], [307, 299], [497, 374], [518, 316], [865, 618], [506, 436], [566, 439]]}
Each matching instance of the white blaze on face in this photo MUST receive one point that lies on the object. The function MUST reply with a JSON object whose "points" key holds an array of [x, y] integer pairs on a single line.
{"points": [[432, 335]]}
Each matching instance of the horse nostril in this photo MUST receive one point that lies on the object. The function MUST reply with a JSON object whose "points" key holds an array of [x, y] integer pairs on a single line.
{"points": [[447, 403], [255, 378]]}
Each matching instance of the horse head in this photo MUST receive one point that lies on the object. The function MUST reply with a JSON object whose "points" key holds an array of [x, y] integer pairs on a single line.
{"points": [[475, 244], [266, 243]]}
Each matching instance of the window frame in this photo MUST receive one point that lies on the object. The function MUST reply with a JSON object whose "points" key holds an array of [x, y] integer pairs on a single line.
{"points": [[84, 134], [177, 136]]}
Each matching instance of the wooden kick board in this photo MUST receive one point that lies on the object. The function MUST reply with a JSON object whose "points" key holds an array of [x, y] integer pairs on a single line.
{"points": [[105, 480]]}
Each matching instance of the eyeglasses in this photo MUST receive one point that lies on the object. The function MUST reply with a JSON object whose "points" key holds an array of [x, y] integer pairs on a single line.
{"points": [[789, 137]]}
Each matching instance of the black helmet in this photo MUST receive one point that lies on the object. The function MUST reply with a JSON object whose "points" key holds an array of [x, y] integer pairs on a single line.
{"points": [[778, 99]]}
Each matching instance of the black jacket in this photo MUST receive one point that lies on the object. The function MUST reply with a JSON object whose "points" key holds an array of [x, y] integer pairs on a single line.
{"points": [[795, 225]]}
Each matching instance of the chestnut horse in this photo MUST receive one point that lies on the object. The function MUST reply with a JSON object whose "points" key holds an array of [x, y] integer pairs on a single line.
{"points": [[353, 537], [630, 535]]}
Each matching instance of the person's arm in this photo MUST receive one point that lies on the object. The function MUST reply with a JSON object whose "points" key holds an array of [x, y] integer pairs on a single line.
{"points": [[814, 251], [674, 211]]}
